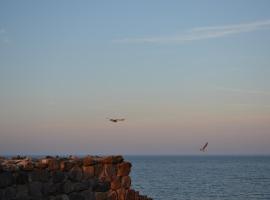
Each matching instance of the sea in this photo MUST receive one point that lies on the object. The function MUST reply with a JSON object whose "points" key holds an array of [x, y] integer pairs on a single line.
{"points": [[201, 177]]}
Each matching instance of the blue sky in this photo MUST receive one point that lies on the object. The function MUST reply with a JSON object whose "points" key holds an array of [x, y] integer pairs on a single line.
{"points": [[181, 72]]}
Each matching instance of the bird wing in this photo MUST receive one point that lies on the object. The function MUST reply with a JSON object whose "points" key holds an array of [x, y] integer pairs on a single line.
{"points": [[204, 147]]}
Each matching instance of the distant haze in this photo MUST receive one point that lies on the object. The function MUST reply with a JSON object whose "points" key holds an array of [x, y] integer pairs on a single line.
{"points": [[181, 73]]}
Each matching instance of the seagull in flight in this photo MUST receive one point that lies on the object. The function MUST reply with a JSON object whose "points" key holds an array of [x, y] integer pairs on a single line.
{"points": [[203, 149], [116, 120]]}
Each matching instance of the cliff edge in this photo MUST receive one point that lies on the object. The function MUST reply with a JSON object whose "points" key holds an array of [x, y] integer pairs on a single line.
{"points": [[67, 178]]}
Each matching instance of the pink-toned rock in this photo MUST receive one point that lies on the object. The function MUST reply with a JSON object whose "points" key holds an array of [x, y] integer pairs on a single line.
{"points": [[10, 167], [101, 195], [121, 193], [66, 165], [126, 182], [26, 165], [112, 195], [45, 161], [124, 169], [88, 172], [112, 159], [107, 172], [53, 164], [130, 195], [116, 183], [137, 195], [89, 160]]}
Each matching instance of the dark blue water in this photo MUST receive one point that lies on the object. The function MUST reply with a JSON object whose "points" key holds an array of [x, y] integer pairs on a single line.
{"points": [[202, 177]]}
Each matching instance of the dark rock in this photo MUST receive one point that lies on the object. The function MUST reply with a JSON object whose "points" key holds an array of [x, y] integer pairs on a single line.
{"points": [[2, 194], [9, 193], [75, 174], [39, 175], [80, 186], [35, 189], [102, 187], [76, 196], [61, 197], [21, 191], [6, 179], [101, 196], [67, 187], [58, 176], [88, 194], [46, 189], [21, 177], [49, 189]]}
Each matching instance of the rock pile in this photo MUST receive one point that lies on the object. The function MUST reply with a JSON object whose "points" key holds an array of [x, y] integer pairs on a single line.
{"points": [[72, 178]]}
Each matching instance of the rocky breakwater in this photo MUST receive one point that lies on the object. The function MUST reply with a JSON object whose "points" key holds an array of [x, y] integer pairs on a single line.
{"points": [[72, 178]]}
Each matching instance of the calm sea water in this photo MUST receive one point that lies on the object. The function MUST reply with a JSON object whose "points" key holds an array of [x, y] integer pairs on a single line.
{"points": [[202, 177]]}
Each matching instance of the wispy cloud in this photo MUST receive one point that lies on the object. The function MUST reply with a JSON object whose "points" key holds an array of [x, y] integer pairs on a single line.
{"points": [[201, 33], [245, 91]]}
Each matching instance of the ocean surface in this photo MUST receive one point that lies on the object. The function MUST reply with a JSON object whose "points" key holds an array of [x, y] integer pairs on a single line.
{"points": [[202, 177]]}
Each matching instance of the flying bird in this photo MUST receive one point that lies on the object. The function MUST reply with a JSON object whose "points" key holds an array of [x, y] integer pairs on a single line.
{"points": [[116, 120], [203, 149]]}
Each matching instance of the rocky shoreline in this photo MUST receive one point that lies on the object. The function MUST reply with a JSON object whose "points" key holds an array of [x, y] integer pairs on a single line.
{"points": [[67, 178]]}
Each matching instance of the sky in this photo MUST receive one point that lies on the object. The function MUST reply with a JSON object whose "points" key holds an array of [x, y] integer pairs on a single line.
{"points": [[181, 73]]}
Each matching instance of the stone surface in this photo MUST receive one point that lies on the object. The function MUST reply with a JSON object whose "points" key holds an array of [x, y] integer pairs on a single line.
{"points": [[75, 174], [102, 187], [58, 176], [39, 175], [101, 195], [124, 169], [88, 172], [6, 179], [121, 193], [112, 159], [53, 164], [76, 196], [126, 182], [89, 160], [35, 189], [21, 177], [21, 191], [69, 178], [116, 183], [66, 165]]}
